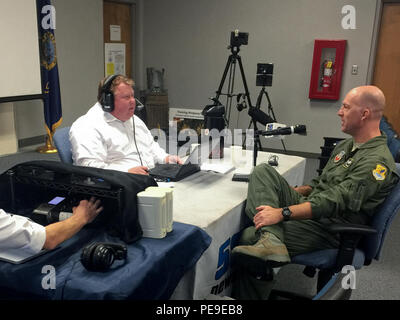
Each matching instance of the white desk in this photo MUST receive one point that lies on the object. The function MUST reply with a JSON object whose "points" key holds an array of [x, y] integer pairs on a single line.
{"points": [[215, 203]]}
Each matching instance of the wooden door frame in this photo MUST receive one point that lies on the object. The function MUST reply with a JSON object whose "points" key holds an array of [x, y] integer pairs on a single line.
{"points": [[136, 7], [375, 38]]}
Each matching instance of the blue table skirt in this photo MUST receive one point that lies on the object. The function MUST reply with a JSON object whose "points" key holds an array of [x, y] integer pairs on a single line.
{"points": [[152, 269]]}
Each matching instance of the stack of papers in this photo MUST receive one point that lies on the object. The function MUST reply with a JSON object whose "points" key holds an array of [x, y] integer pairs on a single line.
{"points": [[217, 167]]}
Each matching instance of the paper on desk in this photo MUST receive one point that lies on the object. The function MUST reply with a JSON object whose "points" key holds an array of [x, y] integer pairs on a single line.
{"points": [[217, 167], [244, 170]]}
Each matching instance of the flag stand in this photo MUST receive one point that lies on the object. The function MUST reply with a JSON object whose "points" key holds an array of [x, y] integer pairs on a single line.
{"points": [[48, 147]]}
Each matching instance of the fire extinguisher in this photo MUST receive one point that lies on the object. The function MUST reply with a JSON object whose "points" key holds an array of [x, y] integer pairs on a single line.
{"points": [[326, 80]]}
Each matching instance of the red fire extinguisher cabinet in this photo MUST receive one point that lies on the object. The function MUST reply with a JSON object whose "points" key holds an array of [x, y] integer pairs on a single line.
{"points": [[327, 67]]}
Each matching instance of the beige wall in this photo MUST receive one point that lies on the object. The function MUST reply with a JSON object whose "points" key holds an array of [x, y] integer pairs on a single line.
{"points": [[79, 43], [189, 39]]}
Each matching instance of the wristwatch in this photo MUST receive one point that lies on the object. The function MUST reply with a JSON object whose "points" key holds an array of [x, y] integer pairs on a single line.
{"points": [[286, 213]]}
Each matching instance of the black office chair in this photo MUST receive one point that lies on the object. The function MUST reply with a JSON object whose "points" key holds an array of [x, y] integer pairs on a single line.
{"points": [[358, 247], [333, 289], [61, 142]]}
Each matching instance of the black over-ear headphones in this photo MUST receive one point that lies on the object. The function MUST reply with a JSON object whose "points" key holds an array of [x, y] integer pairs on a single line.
{"points": [[99, 256], [107, 97], [242, 105]]}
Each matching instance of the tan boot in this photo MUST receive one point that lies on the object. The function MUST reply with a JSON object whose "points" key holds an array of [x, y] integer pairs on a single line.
{"points": [[267, 252]]}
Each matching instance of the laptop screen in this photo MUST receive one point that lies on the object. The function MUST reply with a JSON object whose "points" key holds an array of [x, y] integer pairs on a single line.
{"points": [[194, 157]]}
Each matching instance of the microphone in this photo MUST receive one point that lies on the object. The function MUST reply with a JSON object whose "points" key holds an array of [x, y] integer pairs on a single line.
{"points": [[139, 105], [298, 129], [260, 116], [140, 110]]}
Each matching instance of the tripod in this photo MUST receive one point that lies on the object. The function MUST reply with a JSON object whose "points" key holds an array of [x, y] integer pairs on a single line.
{"points": [[271, 114], [231, 67]]}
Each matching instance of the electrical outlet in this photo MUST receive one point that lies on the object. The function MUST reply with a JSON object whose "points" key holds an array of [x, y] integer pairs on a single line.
{"points": [[354, 69]]}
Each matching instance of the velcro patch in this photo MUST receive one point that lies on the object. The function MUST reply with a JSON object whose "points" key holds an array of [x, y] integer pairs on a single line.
{"points": [[379, 172]]}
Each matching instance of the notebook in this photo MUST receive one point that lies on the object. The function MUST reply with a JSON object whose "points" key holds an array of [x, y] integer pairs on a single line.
{"points": [[176, 172]]}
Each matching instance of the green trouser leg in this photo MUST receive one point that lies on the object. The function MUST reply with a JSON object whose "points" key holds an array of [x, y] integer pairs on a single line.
{"points": [[267, 187]]}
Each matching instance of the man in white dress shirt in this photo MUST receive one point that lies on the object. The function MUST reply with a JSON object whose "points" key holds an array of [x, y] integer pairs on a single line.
{"points": [[18, 232], [110, 136]]}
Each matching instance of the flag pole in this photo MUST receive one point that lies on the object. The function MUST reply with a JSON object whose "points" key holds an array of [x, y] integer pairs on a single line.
{"points": [[49, 72]]}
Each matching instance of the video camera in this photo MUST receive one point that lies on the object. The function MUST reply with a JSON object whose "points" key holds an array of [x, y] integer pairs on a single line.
{"points": [[214, 115], [214, 120], [239, 38]]}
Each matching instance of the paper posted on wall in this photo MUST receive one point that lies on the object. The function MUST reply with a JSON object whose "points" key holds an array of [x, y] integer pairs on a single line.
{"points": [[114, 54]]}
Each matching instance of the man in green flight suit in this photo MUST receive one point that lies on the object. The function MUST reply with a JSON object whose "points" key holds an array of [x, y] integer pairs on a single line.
{"points": [[290, 221]]}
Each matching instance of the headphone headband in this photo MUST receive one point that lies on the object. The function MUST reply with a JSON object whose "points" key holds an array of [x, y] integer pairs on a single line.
{"points": [[107, 97], [108, 82]]}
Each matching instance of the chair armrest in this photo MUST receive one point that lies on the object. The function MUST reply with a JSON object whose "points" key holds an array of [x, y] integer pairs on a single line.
{"points": [[350, 235], [342, 228]]}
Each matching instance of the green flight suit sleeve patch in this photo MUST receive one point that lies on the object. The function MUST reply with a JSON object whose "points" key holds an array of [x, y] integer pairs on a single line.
{"points": [[379, 172]]}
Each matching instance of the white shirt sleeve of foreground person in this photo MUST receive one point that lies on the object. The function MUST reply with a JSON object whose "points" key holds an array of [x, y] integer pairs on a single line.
{"points": [[18, 232], [100, 140]]}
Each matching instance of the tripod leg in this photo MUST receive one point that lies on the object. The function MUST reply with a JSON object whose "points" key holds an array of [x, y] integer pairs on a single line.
{"points": [[231, 85], [259, 98], [227, 67], [256, 141], [246, 89], [271, 110], [283, 145]]}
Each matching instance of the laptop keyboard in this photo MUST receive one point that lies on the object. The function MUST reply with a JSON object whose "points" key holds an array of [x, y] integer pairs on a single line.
{"points": [[166, 168]]}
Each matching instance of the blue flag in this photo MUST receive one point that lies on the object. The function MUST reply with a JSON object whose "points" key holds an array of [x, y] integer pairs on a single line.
{"points": [[48, 66]]}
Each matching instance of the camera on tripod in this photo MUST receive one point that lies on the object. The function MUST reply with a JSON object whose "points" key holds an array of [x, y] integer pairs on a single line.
{"points": [[214, 120], [264, 74], [214, 115], [239, 38]]}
